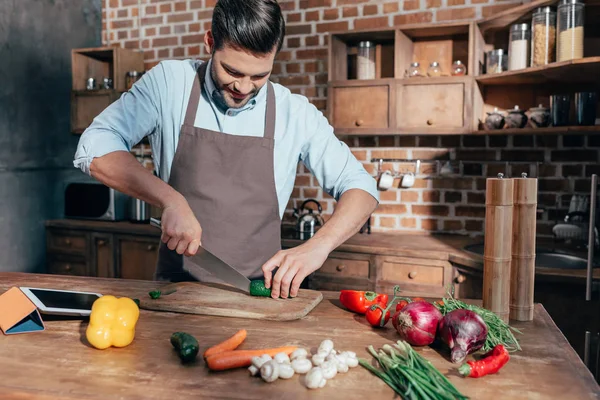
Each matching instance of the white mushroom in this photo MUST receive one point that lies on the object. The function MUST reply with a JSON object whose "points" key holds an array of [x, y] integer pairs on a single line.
{"points": [[340, 364], [269, 371], [300, 353], [285, 371], [318, 359], [258, 362], [314, 379], [329, 369], [325, 347], [301, 365], [352, 362], [282, 358]]}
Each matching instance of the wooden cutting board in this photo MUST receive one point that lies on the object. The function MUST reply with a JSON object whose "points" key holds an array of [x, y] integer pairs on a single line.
{"points": [[225, 301]]}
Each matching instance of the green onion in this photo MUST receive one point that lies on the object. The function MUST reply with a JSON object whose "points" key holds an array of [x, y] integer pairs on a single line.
{"points": [[499, 332], [409, 374]]}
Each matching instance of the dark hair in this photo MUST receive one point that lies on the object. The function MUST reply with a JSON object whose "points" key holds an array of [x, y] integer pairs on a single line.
{"points": [[254, 25]]}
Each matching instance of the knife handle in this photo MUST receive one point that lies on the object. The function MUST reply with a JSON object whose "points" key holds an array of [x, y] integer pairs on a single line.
{"points": [[155, 222]]}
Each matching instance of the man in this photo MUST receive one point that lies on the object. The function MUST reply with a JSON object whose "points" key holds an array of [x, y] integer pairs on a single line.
{"points": [[226, 143]]}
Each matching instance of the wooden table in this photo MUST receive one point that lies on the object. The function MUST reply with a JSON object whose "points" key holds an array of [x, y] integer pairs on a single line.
{"points": [[58, 364]]}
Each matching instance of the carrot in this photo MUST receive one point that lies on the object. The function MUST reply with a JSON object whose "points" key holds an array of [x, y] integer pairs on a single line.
{"points": [[242, 358], [230, 344]]}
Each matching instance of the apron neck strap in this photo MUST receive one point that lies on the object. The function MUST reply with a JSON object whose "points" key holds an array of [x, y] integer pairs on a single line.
{"points": [[192, 108]]}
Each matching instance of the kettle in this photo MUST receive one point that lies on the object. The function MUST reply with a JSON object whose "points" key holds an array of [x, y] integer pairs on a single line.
{"points": [[139, 211], [308, 221]]}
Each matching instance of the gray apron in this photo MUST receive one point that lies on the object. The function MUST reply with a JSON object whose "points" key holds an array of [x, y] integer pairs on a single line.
{"points": [[229, 183]]}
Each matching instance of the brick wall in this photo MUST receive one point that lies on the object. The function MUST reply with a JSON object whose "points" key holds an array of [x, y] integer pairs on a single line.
{"points": [[167, 29]]}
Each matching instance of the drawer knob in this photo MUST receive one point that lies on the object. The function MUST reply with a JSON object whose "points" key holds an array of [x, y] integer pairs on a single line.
{"points": [[67, 267], [340, 267], [101, 242], [460, 279], [359, 122], [430, 122], [412, 274], [150, 247], [68, 242]]}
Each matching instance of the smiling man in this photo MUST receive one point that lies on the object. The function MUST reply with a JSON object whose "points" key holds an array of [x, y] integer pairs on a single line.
{"points": [[226, 144]]}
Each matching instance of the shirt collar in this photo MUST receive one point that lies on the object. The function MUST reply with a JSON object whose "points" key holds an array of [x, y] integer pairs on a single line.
{"points": [[211, 88]]}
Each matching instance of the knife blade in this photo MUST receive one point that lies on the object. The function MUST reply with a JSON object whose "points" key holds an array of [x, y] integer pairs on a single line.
{"points": [[205, 260]]}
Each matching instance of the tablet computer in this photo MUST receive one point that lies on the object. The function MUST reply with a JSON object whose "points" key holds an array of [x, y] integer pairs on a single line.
{"points": [[61, 302]]}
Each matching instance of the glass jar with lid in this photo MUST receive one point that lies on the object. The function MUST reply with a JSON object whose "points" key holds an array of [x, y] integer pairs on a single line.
{"points": [[570, 30], [496, 61], [458, 68], [543, 36], [414, 71], [365, 61], [434, 70], [518, 46]]}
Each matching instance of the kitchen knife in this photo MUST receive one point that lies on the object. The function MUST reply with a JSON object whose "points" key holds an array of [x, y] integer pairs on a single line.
{"points": [[205, 260]]}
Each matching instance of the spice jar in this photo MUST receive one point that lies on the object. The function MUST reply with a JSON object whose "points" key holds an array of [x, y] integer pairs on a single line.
{"points": [[496, 61], [570, 30], [543, 39], [516, 118], [434, 69], [132, 77], [365, 67], [518, 46], [414, 70], [458, 68], [494, 120]]}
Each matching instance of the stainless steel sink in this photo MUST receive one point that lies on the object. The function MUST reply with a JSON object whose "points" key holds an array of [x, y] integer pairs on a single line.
{"points": [[544, 258]]}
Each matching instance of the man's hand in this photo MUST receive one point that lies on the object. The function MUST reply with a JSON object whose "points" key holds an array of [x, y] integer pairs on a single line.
{"points": [[294, 264], [181, 230]]}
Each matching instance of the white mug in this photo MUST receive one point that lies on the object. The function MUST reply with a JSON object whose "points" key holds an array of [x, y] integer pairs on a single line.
{"points": [[386, 180], [408, 180]]}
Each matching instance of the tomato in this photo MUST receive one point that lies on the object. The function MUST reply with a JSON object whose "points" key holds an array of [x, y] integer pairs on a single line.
{"points": [[374, 316], [401, 304]]}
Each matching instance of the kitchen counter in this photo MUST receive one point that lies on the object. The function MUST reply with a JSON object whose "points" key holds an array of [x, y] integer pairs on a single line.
{"points": [[434, 247], [59, 364]]}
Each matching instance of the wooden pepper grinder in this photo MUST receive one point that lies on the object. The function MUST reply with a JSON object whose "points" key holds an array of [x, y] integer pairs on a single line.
{"points": [[498, 242], [522, 275]]}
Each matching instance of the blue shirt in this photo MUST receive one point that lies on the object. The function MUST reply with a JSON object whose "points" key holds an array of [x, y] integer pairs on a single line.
{"points": [[156, 106]]}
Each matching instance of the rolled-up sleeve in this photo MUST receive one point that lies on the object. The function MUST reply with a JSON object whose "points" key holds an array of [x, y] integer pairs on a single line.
{"points": [[125, 122], [331, 161]]}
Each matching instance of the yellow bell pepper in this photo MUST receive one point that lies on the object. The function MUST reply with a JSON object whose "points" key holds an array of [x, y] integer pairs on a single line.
{"points": [[112, 322]]}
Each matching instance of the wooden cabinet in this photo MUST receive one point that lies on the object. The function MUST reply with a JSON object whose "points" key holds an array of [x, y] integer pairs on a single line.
{"points": [[392, 102], [442, 104], [361, 107], [87, 105], [415, 276], [102, 249], [137, 257]]}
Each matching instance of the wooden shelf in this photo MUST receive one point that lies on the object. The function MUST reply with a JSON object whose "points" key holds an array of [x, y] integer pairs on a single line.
{"points": [[582, 70], [558, 130]]}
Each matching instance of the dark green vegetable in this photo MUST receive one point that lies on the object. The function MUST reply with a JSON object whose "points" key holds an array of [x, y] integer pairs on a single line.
{"points": [[155, 294], [257, 288], [186, 346], [137, 301]]}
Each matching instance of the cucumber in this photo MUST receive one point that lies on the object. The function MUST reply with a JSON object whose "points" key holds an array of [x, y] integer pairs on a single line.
{"points": [[186, 346], [257, 288]]}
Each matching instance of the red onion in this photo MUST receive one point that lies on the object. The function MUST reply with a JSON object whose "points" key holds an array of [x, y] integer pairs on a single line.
{"points": [[464, 332], [417, 323]]}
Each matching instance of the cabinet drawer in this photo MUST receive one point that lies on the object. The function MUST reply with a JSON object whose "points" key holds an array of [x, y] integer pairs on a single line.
{"points": [[138, 257], [432, 106], [412, 272], [65, 267], [345, 267], [67, 241], [361, 107]]}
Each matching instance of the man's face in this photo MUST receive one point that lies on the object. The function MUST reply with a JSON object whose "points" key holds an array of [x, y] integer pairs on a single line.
{"points": [[237, 74]]}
